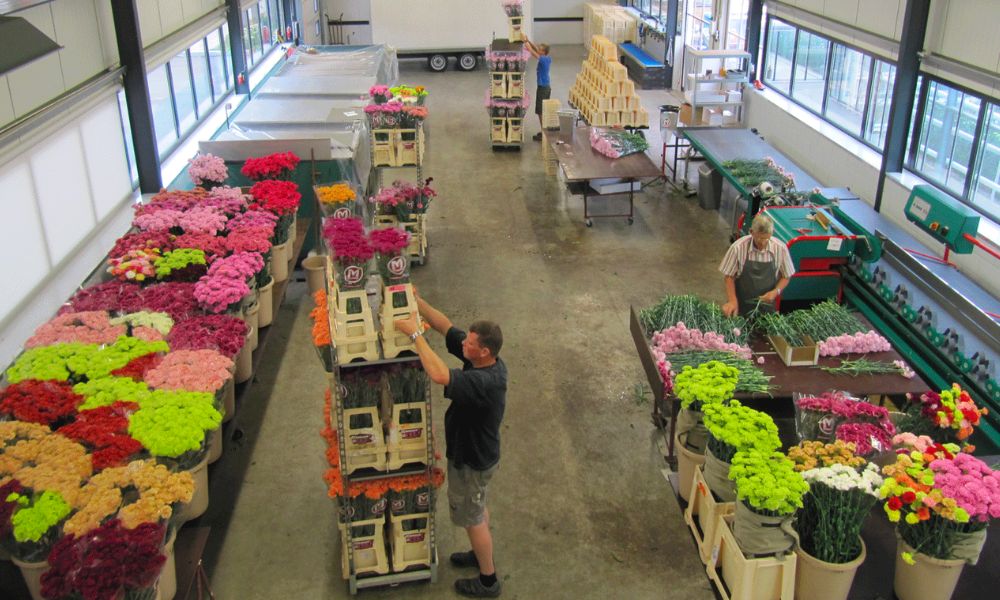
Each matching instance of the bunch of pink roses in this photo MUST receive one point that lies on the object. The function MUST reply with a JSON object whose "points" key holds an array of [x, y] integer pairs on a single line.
{"points": [[680, 337], [972, 483], [207, 168], [89, 327]]}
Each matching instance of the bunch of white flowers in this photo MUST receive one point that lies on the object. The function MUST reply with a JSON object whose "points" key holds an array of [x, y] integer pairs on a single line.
{"points": [[846, 479]]}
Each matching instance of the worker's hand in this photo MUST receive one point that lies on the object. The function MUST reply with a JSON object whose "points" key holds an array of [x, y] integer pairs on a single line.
{"points": [[730, 309], [769, 297], [407, 326]]}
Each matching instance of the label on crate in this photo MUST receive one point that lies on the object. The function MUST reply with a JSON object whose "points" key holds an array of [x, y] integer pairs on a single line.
{"points": [[396, 288], [423, 499], [378, 509], [343, 213], [414, 538], [361, 439], [715, 555], [397, 266], [353, 275], [409, 434], [398, 505], [364, 545]]}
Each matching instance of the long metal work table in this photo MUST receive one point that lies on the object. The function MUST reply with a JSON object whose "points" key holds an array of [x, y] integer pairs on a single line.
{"points": [[785, 380], [719, 145], [582, 164]]}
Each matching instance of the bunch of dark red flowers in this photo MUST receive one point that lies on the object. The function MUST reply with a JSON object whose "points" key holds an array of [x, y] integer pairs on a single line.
{"points": [[137, 367], [105, 563], [44, 402], [270, 167], [104, 431], [224, 333]]}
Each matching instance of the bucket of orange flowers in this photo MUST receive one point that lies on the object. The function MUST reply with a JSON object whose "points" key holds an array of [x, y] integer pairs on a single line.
{"points": [[941, 500], [338, 200]]}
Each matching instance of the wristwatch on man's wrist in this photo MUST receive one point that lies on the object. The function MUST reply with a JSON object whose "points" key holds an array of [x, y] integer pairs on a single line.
{"points": [[415, 335]]}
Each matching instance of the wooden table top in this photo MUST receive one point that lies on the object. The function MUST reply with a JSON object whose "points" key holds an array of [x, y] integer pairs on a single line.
{"points": [[580, 162]]}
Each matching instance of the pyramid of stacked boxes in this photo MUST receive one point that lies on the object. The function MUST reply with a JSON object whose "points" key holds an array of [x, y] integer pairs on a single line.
{"points": [[603, 92]]}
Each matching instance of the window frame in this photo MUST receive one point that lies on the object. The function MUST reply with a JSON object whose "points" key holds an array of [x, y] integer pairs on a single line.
{"points": [[875, 58]]}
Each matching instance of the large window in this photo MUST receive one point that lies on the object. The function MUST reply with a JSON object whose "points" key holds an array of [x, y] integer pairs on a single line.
{"points": [[186, 89], [162, 103], [847, 87], [880, 98], [947, 132], [736, 25], [809, 74], [201, 75], [698, 24]]}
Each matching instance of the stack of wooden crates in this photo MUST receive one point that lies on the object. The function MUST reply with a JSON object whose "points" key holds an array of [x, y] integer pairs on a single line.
{"points": [[613, 22], [603, 92]]}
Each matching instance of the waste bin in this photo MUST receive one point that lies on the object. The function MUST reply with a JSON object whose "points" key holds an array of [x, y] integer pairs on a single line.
{"points": [[567, 123], [709, 187], [668, 116]]}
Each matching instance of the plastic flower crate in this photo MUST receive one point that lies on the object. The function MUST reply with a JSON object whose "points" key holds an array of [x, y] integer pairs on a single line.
{"points": [[703, 513], [498, 84], [410, 540], [796, 356], [407, 435], [368, 541], [398, 302], [737, 577]]}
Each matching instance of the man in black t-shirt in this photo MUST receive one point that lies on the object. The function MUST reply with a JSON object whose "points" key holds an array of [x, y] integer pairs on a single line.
{"points": [[472, 431]]}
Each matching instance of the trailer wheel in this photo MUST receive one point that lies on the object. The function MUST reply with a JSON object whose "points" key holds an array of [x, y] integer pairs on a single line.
{"points": [[467, 62], [437, 62]]}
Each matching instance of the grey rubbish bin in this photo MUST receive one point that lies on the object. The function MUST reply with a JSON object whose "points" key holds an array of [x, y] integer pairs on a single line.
{"points": [[709, 187]]}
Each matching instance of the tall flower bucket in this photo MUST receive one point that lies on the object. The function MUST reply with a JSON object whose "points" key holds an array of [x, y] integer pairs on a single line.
{"points": [[394, 268], [244, 361], [250, 316], [717, 478], [265, 299], [315, 267], [928, 579], [215, 445], [167, 585], [687, 462], [279, 261], [32, 573], [350, 276], [760, 534], [820, 580], [199, 501]]}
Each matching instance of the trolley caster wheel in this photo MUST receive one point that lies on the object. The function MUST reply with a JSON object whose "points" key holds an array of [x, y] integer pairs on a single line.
{"points": [[589, 222], [631, 220]]}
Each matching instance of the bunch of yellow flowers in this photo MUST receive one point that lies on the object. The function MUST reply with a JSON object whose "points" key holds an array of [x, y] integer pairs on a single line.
{"points": [[336, 193]]}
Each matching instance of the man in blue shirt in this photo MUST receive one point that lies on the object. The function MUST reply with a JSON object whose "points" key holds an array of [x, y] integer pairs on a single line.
{"points": [[544, 89]]}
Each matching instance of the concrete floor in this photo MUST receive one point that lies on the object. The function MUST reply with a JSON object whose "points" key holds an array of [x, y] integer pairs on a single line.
{"points": [[580, 508]]}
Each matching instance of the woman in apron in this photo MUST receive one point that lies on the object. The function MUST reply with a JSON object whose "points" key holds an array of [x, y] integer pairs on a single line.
{"points": [[756, 268]]}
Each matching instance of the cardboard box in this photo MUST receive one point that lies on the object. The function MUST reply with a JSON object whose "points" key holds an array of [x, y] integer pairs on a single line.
{"points": [[614, 186], [796, 356], [734, 96], [690, 116]]}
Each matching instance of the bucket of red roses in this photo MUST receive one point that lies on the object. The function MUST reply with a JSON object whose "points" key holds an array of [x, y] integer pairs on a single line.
{"points": [[273, 166], [393, 262], [384, 116]]}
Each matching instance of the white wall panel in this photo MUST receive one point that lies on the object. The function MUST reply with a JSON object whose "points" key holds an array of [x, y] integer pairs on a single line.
{"points": [[105, 158], [208, 5], [35, 83], [63, 189], [969, 33], [6, 104], [149, 21], [845, 11], [881, 16], [192, 9], [815, 6], [109, 43], [171, 16], [20, 236], [78, 31]]}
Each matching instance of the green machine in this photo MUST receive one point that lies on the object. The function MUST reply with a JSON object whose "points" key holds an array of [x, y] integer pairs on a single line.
{"points": [[821, 239], [947, 220]]}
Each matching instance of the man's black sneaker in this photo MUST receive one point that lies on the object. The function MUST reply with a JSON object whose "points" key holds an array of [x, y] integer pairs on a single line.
{"points": [[465, 559], [537, 137], [474, 588]]}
